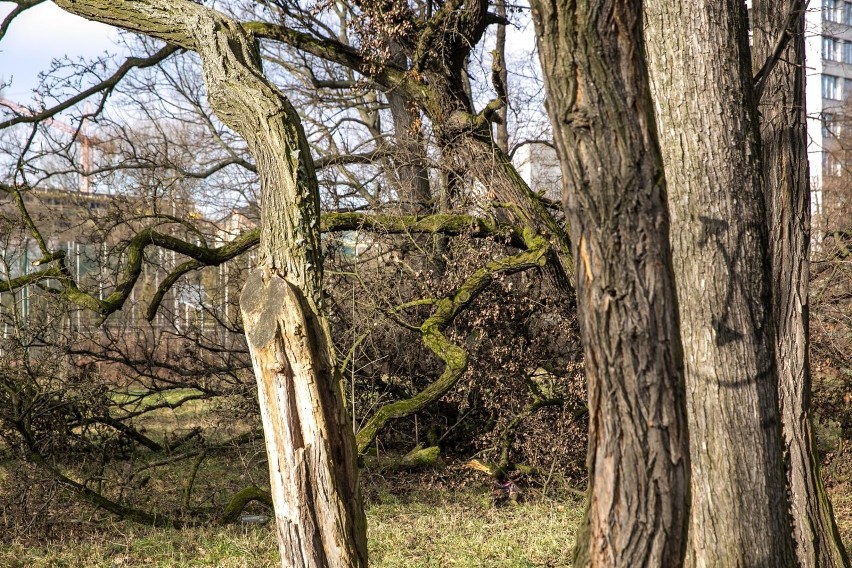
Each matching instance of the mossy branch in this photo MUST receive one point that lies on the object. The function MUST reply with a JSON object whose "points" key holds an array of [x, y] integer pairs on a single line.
{"points": [[388, 77], [455, 358], [201, 256], [239, 501]]}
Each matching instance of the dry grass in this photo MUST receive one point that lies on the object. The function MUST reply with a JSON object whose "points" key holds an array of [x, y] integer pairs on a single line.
{"points": [[458, 531], [450, 529], [420, 528], [841, 501], [414, 522]]}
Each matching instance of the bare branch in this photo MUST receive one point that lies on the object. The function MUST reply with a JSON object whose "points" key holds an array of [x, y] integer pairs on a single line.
{"points": [[107, 84], [22, 6]]}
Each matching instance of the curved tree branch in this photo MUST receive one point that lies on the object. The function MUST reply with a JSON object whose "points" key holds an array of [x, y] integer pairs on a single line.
{"points": [[455, 358], [22, 6]]}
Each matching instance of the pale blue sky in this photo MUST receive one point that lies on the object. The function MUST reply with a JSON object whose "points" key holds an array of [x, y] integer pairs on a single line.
{"points": [[41, 34]]}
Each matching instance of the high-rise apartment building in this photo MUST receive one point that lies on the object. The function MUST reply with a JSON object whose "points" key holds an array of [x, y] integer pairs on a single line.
{"points": [[828, 59]]}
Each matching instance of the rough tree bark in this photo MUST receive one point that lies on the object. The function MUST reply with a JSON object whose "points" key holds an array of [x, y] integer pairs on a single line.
{"points": [[412, 176], [310, 445], [500, 76], [781, 81], [599, 103], [698, 59]]}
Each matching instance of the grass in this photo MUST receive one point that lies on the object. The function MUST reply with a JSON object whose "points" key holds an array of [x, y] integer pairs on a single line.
{"points": [[419, 522], [415, 522], [460, 530], [841, 503], [420, 530], [412, 524]]}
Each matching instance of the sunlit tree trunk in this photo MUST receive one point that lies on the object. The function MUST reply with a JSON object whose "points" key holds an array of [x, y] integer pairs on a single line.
{"points": [[781, 80], [698, 59], [310, 444], [501, 126], [615, 197]]}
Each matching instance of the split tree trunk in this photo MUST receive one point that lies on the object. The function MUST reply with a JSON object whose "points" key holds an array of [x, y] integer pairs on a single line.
{"points": [[788, 209], [701, 78], [600, 107], [310, 445]]}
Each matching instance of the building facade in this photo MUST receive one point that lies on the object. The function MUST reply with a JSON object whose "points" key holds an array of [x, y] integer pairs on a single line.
{"points": [[828, 59]]}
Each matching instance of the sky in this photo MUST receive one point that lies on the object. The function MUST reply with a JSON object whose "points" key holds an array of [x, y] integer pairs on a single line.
{"points": [[41, 34]]}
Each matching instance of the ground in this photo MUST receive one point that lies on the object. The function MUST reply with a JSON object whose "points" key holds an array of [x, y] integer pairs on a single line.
{"points": [[442, 517], [425, 527]]}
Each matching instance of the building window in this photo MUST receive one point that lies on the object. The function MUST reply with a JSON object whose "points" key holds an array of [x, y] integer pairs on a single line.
{"points": [[831, 87], [830, 164], [830, 49], [847, 52], [829, 126], [847, 13], [831, 10], [832, 125]]}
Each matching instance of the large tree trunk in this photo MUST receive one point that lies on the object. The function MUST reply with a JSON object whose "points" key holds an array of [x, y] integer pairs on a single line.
{"points": [[788, 209], [412, 177], [698, 58], [600, 107], [310, 445]]}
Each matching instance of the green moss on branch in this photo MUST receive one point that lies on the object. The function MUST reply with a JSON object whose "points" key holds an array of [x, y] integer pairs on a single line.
{"points": [[455, 358]]}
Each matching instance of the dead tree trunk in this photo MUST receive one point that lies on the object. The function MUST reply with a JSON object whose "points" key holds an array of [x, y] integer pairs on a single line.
{"points": [[698, 59], [781, 82], [615, 197], [310, 445]]}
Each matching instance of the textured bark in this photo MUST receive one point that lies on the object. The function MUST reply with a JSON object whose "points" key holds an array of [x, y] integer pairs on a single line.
{"points": [[312, 458], [311, 449], [698, 59], [788, 209], [501, 127], [436, 82], [476, 156], [412, 177], [600, 107]]}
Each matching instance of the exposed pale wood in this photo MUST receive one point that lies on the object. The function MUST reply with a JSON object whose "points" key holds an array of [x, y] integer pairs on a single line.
{"points": [[312, 458], [316, 497]]}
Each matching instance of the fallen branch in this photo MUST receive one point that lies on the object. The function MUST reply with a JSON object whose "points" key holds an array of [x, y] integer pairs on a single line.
{"points": [[239, 501]]}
